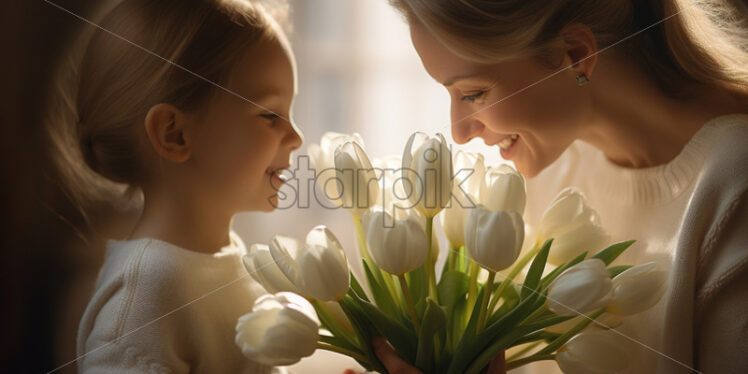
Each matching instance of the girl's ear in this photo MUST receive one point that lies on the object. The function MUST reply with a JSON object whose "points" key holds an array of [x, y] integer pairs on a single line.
{"points": [[581, 48], [167, 131]]}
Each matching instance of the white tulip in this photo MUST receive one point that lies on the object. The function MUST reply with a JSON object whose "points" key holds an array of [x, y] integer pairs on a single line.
{"points": [[280, 330], [318, 268], [453, 223], [427, 166], [360, 185], [473, 163], [396, 246], [593, 352], [322, 158], [573, 225], [466, 189], [637, 289], [260, 265], [494, 239], [581, 288], [503, 188]]}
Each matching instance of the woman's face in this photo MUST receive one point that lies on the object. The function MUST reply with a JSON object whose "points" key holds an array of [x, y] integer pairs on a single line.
{"points": [[239, 145], [520, 99]]}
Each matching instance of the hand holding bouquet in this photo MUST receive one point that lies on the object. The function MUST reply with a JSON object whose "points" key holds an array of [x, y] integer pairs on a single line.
{"points": [[499, 288]]}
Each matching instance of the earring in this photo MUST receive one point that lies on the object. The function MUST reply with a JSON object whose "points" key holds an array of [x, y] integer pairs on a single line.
{"points": [[582, 80]]}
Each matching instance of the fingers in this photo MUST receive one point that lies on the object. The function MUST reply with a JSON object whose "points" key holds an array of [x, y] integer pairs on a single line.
{"points": [[497, 365], [390, 359]]}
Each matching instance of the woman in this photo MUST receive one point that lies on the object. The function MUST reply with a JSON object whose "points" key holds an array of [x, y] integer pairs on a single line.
{"points": [[638, 104]]}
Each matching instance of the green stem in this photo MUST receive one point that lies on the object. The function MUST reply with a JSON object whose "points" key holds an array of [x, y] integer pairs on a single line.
{"points": [[523, 361], [409, 301], [484, 302], [572, 331], [513, 274], [451, 258], [472, 287], [430, 262], [524, 350], [324, 312], [343, 351], [361, 238]]}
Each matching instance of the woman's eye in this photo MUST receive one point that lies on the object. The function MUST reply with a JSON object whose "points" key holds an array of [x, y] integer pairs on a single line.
{"points": [[473, 97]]}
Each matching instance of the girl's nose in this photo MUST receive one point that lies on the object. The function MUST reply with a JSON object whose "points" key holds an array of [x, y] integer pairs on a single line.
{"points": [[463, 131], [294, 138]]}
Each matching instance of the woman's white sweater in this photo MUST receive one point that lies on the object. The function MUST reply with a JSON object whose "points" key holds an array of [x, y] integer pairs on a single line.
{"points": [[691, 217]]}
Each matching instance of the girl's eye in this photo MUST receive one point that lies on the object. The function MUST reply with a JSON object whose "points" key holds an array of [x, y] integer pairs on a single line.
{"points": [[270, 116], [473, 97]]}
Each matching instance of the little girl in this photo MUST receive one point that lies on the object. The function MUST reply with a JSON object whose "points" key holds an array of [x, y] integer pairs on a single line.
{"points": [[188, 101]]}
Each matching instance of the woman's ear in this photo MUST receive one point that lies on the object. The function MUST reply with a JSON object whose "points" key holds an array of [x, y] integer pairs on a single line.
{"points": [[581, 48], [167, 130]]}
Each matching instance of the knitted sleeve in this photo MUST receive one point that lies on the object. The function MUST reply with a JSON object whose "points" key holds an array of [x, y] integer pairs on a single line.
{"points": [[721, 308]]}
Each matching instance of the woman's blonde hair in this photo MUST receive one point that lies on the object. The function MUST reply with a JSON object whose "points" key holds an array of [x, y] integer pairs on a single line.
{"points": [[138, 54], [705, 43]]}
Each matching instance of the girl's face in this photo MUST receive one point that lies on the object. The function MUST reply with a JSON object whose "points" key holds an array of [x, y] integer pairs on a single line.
{"points": [[515, 99], [240, 147]]}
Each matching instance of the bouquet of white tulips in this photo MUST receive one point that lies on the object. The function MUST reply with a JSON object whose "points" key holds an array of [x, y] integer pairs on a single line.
{"points": [[550, 286]]}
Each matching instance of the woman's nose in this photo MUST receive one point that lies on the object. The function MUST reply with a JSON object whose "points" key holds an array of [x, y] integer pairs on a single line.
{"points": [[466, 129]]}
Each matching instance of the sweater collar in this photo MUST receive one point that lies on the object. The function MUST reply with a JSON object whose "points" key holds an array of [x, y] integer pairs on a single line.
{"points": [[662, 183]]}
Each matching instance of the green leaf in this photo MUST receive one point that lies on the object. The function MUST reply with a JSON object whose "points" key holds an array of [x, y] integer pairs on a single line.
{"points": [[363, 330], [536, 271], [339, 342], [380, 292], [433, 322], [471, 347], [357, 288], [511, 299], [417, 285], [402, 339], [469, 332], [453, 287], [608, 255], [616, 270], [332, 325]]}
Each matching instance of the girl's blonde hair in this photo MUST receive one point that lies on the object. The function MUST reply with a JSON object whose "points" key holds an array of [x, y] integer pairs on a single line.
{"points": [[705, 43], [141, 53]]}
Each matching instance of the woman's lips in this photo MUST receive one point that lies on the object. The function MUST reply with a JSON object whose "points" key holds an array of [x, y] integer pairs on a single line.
{"points": [[509, 147]]}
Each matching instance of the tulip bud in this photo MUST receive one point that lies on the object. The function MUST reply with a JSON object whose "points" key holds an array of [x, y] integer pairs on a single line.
{"points": [[427, 166], [474, 164], [580, 289], [466, 189], [494, 239], [637, 289], [261, 266], [396, 246], [322, 158], [503, 188], [594, 351], [280, 330], [453, 223], [319, 268], [360, 185], [573, 225]]}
